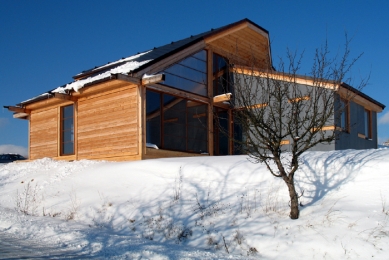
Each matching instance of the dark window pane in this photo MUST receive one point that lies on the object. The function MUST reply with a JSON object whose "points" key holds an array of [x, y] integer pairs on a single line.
{"points": [[153, 131], [185, 84], [219, 63], [68, 112], [67, 128], [181, 127], [201, 55], [221, 141], [68, 148], [197, 146], [174, 125], [68, 124], [152, 101], [195, 64], [68, 136], [153, 118], [189, 74]]}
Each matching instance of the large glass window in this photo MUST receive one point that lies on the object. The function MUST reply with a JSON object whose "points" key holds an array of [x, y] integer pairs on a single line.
{"points": [[221, 80], [344, 115], [189, 74], [367, 120], [67, 130], [153, 118], [221, 132], [175, 123]]}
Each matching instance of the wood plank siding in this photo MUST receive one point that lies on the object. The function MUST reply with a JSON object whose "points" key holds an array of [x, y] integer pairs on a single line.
{"points": [[43, 133], [108, 124], [243, 46]]}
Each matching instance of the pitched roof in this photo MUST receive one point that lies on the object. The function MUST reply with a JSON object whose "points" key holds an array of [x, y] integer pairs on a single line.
{"points": [[158, 53]]}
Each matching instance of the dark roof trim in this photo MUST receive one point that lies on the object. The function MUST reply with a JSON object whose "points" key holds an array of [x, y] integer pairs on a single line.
{"points": [[359, 93], [44, 96]]}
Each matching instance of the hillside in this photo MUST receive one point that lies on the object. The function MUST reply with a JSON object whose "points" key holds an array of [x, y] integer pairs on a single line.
{"points": [[198, 208]]}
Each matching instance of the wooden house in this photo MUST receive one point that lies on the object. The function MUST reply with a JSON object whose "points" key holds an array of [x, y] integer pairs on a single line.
{"points": [[159, 103]]}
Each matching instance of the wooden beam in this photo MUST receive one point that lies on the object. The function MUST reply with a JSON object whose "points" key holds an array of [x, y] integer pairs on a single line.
{"points": [[222, 105], [210, 98], [191, 103], [252, 106], [298, 99], [284, 142], [328, 128], [171, 120], [152, 79], [199, 115], [64, 97], [298, 79], [179, 93], [21, 115], [127, 78], [222, 98], [351, 96], [166, 107], [18, 109]]}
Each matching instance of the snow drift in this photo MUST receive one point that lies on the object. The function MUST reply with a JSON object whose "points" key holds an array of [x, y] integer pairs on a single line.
{"points": [[200, 207]]}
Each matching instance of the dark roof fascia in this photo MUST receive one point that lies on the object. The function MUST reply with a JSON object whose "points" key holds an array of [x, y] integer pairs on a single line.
{"points": [[359, 93], [36, 99]]}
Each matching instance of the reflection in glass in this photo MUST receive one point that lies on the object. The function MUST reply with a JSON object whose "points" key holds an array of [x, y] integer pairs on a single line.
{"points": [[189, 74], [177, 124]]}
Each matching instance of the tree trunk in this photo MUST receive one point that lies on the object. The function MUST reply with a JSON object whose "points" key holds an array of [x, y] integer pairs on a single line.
{"points": [[294, 204]]}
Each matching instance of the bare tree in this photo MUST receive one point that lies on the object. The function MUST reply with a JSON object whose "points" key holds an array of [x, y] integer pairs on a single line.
{"points": [[283, 114]]}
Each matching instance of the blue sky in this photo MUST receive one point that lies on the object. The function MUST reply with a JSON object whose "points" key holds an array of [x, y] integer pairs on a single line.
{"points": [[44, 43]]}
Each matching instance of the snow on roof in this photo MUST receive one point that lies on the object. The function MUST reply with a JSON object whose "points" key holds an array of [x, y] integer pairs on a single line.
{"points": [[41, 96], [109, 64], [122, 69], [125, 68]]}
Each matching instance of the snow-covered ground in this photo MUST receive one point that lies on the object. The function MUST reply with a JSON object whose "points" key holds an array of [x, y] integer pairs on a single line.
{"points": [[199, 208]]}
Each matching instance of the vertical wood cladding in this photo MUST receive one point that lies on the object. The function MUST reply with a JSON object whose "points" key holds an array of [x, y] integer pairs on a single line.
{"points": [[44, 133], [107, 124]]}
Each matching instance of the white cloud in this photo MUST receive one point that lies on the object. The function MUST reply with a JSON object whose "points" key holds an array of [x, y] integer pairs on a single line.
{"points": [[10, 148], [384, 119], [3, 121]]}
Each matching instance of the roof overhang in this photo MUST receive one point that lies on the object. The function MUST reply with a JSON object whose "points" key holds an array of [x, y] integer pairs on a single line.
{"points": [[345, 91], [243, 43], [70, 95]]}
